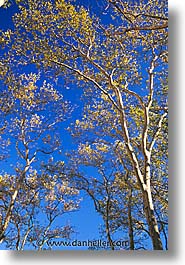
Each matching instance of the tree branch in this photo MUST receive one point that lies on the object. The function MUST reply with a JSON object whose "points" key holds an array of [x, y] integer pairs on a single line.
{"points": [[89, 79], [157, 131]]}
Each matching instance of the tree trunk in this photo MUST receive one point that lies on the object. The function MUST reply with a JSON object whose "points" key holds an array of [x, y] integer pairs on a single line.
{"points": [[12, 202], [107, 226], [151, 220], [8, 214], [130, 224]]}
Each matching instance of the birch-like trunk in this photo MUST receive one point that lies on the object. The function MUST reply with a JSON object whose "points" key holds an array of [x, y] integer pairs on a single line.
{"points": [[17, 188], [8, 213], [151, 219], [143, 179]]}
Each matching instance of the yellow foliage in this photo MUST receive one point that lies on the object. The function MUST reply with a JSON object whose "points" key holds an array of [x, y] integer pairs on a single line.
{"points": [[102, 148], [77, 122], [104, 97]]}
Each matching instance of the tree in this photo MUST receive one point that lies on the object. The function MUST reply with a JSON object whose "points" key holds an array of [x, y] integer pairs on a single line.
{"points": [[112, 187], [123, 63], [110, 192], [28, 190]]}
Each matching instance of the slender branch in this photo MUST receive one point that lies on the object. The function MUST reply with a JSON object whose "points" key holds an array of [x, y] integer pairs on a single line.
{"points": [[19, 151], [157, 131], [89, 48], [151, 80], [89, 79], [121, 11], [152, 16], [18, 236], [126, 89], [25, 237], [114, 3], [146, 28], [87, 56], [145, 150]]}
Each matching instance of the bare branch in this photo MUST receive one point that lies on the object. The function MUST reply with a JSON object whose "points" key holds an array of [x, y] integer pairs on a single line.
{"points": [[145, 28], [157, 131], [89, 79]]}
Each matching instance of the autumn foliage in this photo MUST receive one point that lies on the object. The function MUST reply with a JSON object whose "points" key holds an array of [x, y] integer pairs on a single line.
{"points": [[117, 57]]}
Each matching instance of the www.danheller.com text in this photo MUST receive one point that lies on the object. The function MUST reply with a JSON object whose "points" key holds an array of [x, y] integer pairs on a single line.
{"points": [[85, 243]]}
